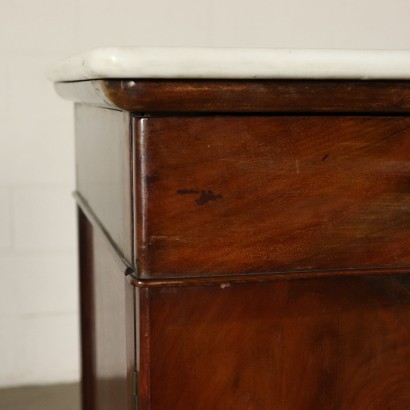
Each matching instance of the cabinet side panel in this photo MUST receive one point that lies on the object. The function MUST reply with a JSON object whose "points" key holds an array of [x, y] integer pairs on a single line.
{"points": [[85, 236], [107, 326], [339, 343], [103, 170]]}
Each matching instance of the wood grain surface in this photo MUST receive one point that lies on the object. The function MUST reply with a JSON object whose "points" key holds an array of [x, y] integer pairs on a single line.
{"points": [[87, 312], [107, 325], [244, 180], [242, 96], [103, 170], [336, 344], [224, 195]]}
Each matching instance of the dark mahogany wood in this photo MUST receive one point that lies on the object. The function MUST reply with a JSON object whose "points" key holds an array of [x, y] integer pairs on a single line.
{"points": [[224, 195], [257, 260], [108, 325], [336, 344], [87, 312], [103, 170], [242, 96]]}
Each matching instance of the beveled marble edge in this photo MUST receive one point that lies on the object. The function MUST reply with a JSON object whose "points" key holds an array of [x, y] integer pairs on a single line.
{"points": [[233, 63]]}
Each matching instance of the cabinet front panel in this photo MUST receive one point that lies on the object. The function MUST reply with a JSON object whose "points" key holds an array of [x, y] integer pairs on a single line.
{"points": [[222, 195]]}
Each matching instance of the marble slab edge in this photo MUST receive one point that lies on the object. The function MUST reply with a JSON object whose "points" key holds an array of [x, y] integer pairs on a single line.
{"points": [[233, 63]]}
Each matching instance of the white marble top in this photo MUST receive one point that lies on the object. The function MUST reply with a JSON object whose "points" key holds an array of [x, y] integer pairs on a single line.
{"points": [[233, 63]]}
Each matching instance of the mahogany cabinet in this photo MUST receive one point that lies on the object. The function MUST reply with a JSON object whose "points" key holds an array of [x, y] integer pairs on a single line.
{"points": [[244, 243]]}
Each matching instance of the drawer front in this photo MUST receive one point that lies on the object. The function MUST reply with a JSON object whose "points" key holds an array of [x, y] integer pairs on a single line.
{"points": [[103, 171], [221, 195], [338, 343]]}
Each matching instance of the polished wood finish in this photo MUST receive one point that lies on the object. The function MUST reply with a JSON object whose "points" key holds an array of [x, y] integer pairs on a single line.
{"points": [[340, 343], [103, 170], [244, 261], [235, 195], [87, 312], [108, 324], [242, 96]]}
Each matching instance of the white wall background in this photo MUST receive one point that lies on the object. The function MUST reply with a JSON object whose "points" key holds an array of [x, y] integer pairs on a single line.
{"points": [[38, 277]]}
